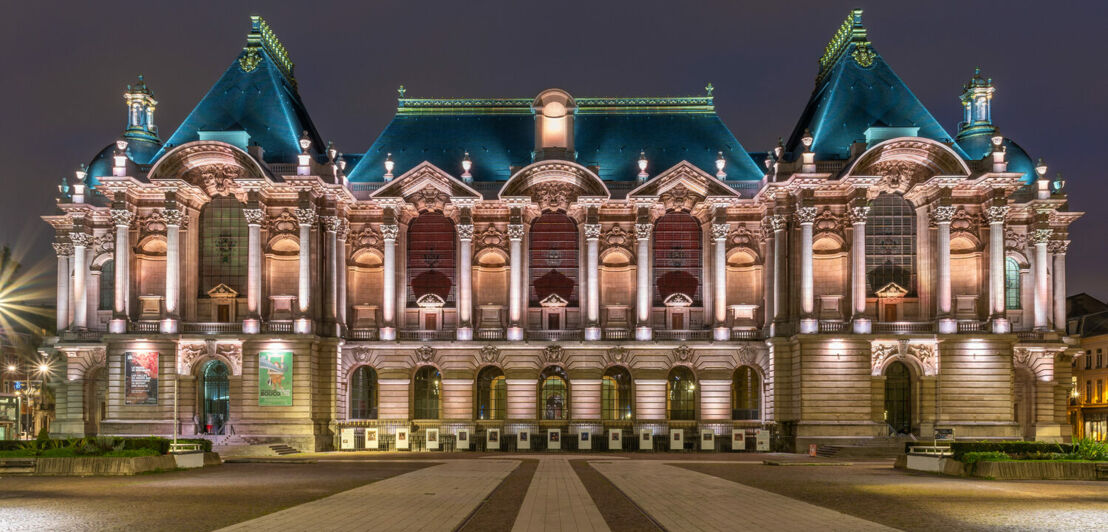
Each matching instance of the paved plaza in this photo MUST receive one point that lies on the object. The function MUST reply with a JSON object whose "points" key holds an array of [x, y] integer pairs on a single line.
{"points": [[548, 492]]}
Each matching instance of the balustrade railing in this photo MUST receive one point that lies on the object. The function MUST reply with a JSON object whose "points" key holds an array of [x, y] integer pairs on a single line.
{"points": [[81, 336], [682, 334], [426, 335], [277, 326], [746, 334], [972, 326], [904, 327], [611, 333], [1031, 335], [143, 326], [211, 327], [488, 333], [833, 326], [554, 335], [362, 334]]}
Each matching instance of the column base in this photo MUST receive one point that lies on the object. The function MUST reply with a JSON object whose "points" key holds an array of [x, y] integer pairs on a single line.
{"points": [[302, 326], [948, 326], [809, 326], [464, 333], [168, 326], [721, 334], [387, 333], [1001, 326], [644, 333], [117, 326], [515, 334], [592, 334], [863, 326], [251, 326]]}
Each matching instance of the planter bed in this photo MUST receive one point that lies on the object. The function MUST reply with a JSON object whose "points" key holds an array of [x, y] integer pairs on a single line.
{"points": [[96, 465]]}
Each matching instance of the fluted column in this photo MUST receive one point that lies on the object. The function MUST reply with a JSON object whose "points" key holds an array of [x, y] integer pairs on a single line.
{"points": [[389, 232], [767, 274], [719, 281], [121, 219], [780, 248], [80, 240], [465, 281], [644, 304], [515, 303], [340, 258], [592, 242], [942, 216], [806, 216], [306, 217], [254, 218], [331, 311], [1058, 248], [862, 324], [1040, 238], [997, 311], [64, 249]]}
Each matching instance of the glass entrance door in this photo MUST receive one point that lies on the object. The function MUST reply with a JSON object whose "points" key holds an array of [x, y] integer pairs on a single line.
{"points": [[215, 400], [898, 398]]}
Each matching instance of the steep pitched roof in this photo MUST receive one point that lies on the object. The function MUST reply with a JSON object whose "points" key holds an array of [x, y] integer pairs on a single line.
{"points": [[608, 135], [856, 89], [256, 94]]}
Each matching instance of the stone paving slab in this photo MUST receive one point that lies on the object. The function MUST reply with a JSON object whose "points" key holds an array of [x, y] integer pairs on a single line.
{"points": [[558, 500], [433, 498], [679, 499]]}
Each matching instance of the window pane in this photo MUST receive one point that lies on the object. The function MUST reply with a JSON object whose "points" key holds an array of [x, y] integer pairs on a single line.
{"points": [[223, 245], [891, 244], [681, 394], [431, 257], [107, 286], [1011, 284], [677, 260], [553, 258]]}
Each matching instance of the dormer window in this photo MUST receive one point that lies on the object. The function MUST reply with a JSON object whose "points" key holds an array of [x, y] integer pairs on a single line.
{"points": [[554, 110]]}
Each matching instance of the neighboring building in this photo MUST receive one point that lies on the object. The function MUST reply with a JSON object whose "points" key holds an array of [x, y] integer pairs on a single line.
{"points": [[1088, 409], [561, 262]]}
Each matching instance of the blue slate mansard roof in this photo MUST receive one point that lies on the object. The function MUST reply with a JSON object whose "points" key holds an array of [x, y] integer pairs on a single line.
{"points": [[609, 133], [256, 94], [856, 89]]}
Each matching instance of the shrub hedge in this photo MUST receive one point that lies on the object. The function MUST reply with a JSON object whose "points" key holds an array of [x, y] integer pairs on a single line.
{"points": [[1011, 448], [93, 446]]}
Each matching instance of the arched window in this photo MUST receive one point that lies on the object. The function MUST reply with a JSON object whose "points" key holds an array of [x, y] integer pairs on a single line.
{"points": [[431, 257], [223, 245], [554, 393], [1011, 284], [615, 394], [363, 393], [554, 250], [677, 260], [107, 286], [492, 393], [425, 395], [891, 244], [746, 395], [681, 394]]}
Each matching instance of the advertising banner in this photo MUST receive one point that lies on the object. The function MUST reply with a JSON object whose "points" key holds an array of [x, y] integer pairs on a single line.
{"points": [[347, 442], [140, 378], [275, 378], [371, 439]]}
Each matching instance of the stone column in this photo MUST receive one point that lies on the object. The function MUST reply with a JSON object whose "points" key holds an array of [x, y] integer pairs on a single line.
{"points": [[806, 216], [592, 240], [997, 311], [645, 303], [862, 324], [340, 258], [331, 311], [1058, 249], [254, 217], [389, 232], [719, 282], [515, 295], [121, 218], [780, 248], [306, 217], [81, 241], [942, 216], [174, 218], [767, 274], [64, 250], [465, 279], [1040, 238]]}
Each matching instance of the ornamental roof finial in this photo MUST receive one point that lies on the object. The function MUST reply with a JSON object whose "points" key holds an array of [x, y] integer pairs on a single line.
{"points": [[401, 90], [709, 88]]}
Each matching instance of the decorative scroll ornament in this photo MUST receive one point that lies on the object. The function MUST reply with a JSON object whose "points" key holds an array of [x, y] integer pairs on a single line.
{"points": [[617, 355], [250, 59], [1058, 247], [425, 353], [863, 55], [642, 231], [465, 231], [429, 199], [390, 231], [1015, 240], [996, 214], [553, 353], [743, 237], [122, 217], [827, 222], [943, 214], [233, 354], [858, 214], [618, 237], [720, 231], [490, 354], [682, 353], [1022, 357], [253, 216], [879, 353], [187, 355], [963, 222], [592, 231], [305, 216], [806, 215], [491, 237], [515, 231], [361, 354], [367, 238], [283, 223], [217, 179], [896, 176], [678, 198], [1041, 236], [554, 196]]}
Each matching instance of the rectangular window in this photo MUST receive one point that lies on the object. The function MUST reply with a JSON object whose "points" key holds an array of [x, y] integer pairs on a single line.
{"points": [[1099, 391], [1088, 391], [1088, 360], [1099, 359]]}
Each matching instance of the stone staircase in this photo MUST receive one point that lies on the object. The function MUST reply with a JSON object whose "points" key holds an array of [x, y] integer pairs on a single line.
{"points": [[234, 445], [865, 448], [282, 449]]}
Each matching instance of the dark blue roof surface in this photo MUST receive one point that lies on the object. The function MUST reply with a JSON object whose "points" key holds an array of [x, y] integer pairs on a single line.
{"points": [[980, 145], [140, 152], [608, 137]]}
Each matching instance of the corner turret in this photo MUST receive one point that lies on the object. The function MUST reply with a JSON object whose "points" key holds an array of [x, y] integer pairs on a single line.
{"points": [[140, 112], [977, 100]]}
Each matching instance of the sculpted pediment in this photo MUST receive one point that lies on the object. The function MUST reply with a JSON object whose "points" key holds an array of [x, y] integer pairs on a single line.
{"points": [[682, 184], [426, 188], [902, 163], [554, 185], [215, 167]]}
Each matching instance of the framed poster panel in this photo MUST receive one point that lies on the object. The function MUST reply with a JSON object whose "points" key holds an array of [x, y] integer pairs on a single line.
{"points": [[523, 440], [432, 439], [275, 378], [584, 440], [492, 440], [346, 439], [738, 439], [761, 440], [140, 378], [676, 440], [646, 440], [615, 439], [554, 439], [402, 440], [371, 439], [707, 440], [463, 440]]}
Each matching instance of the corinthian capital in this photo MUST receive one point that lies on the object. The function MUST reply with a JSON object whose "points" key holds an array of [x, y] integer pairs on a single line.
{"points": [[1041, 236], [777, 222], [122, 217], [859, 214], [330, 223], [1058, 247], [515, 231], [80, 239], [806, 215], [642, 231], [720, 231], [996, 214], [305, 216], [390, 231], [63, 249], [943, 214], [465, 231], [253, 216], [592, 231], [173, 217]]}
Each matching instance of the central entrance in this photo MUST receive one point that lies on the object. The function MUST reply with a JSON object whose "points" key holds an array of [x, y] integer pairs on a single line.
{"points": [[215, 403], [898, 398]]}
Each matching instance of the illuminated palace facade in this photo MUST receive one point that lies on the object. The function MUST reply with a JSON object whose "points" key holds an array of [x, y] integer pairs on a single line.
{"points": [[561, 262]]}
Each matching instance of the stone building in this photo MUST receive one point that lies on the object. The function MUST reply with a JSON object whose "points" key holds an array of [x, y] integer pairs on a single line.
{"points": [[560, 262]]}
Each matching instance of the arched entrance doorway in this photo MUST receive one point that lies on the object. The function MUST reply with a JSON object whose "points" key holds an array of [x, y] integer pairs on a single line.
{"points": [[898, 398], [1023, 402], [215, 397], [96, 400]]}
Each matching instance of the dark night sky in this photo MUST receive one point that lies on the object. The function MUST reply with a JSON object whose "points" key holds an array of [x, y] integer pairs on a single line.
{"points": [[66, 64]]}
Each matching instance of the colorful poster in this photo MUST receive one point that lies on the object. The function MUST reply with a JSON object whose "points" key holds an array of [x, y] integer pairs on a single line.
{"points": [[140, 378], [275, 378]]}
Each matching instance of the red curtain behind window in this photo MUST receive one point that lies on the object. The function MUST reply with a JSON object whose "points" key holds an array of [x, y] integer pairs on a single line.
{"points": [[431, 262], [554, 250], [677, 261]]}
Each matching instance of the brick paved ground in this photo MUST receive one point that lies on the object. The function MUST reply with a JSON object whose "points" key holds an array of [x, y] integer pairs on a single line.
{"points": [[557, 501]]}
